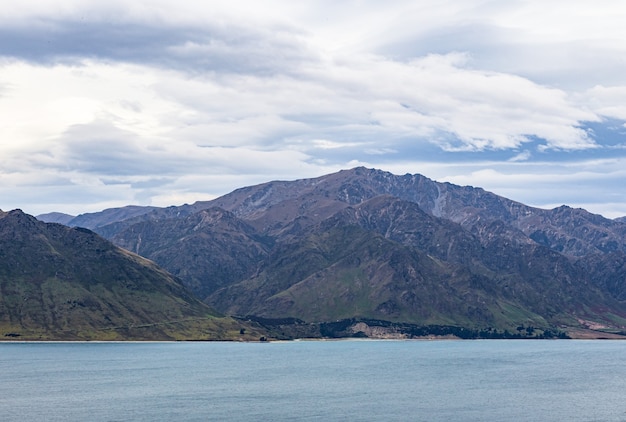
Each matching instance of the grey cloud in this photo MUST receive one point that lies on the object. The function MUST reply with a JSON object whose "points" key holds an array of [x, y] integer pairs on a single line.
{"points": [[152, 182], [569, 65], [101, 149], [578, 64], [116, 156], [213, 47], [381, 152], [55, 193], [479, 39], [257, 102]]}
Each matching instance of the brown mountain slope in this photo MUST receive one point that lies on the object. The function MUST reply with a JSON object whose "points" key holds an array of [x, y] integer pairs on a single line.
{"points": [[207, 250], [271, 206], [385, 259]]}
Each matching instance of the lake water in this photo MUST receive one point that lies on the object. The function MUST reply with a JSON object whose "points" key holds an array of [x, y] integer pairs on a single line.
{"points": [[315, 381]]}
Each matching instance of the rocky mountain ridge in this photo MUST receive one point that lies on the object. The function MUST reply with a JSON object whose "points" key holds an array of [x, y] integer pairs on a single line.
{"points": [[272, 205], [364, 244]]}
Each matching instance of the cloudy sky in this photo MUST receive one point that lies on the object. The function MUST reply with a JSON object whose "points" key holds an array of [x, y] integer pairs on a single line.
{"points": [[116, 102]]}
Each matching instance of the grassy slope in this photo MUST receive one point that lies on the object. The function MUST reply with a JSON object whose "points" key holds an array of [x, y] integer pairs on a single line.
{"points": [[58, 283]]}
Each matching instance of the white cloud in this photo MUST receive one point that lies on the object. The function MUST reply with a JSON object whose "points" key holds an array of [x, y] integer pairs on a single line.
{"points": [[522, 156], [606, 101], [172, 99], [551, 184], [380, 151]]}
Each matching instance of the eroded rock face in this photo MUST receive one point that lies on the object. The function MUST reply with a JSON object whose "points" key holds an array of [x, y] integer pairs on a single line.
{"points": [[377, 332]]}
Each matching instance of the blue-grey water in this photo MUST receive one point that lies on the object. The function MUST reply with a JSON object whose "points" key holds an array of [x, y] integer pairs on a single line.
{"points": [[315, 380]]}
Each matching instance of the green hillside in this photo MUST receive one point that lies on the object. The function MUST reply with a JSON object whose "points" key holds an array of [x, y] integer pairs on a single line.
{"points": [[58, 283]]}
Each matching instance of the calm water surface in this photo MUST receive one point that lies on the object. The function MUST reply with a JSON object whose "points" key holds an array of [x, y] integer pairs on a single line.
{"points": [[340, 380]]}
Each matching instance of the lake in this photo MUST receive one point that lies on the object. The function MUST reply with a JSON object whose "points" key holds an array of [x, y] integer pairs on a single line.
{"points": [[491, 380]]}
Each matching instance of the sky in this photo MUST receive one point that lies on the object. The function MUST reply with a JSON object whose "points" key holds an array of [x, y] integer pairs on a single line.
{"points": [[111, 103]]}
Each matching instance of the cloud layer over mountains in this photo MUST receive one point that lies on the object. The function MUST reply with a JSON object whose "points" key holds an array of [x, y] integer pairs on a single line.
{"points": [[158, 103]]}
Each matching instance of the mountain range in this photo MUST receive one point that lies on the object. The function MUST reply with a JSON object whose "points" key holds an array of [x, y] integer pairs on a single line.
{"points": [[365, 252]]}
